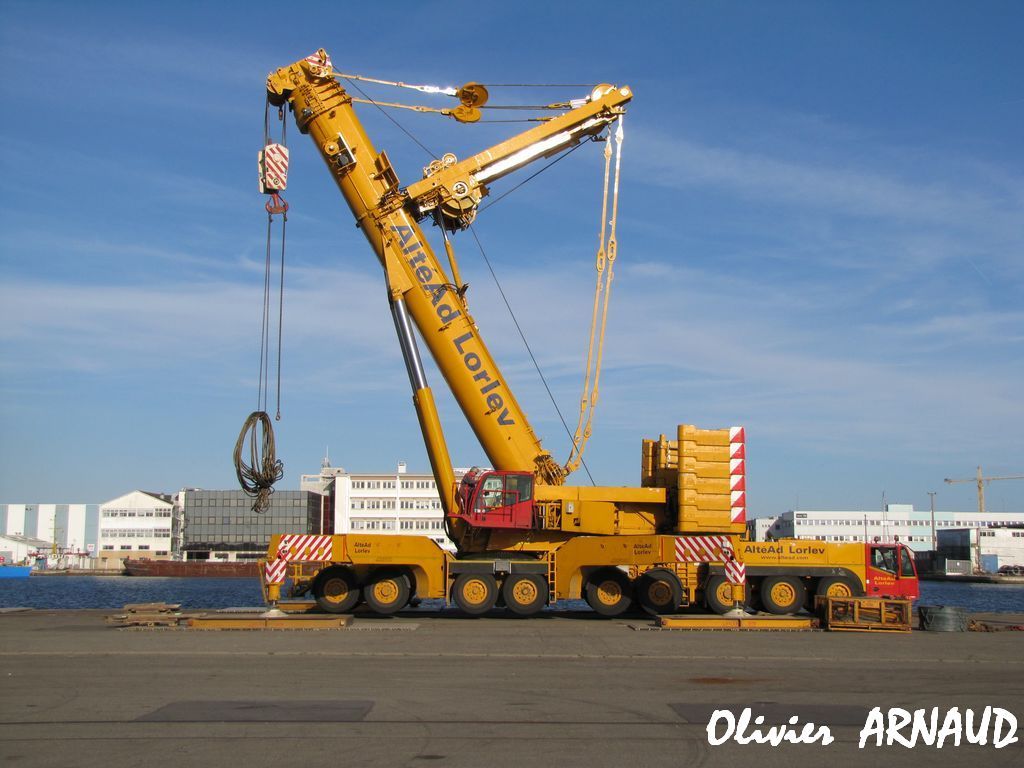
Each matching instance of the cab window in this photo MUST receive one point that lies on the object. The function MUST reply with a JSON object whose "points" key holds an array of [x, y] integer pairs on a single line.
{"points": [[518, 488], [906, 564], [884, 558], [490, 493]]}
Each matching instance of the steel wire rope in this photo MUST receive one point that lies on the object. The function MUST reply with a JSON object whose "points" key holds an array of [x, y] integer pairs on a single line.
{"points": [[257, 477], [389, 117], [538, 85], [522, 335], [264, 383], [451, 91], [532, 176]]}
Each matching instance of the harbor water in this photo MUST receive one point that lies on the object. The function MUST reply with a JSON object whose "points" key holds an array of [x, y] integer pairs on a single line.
{"points": [[72, 592]]}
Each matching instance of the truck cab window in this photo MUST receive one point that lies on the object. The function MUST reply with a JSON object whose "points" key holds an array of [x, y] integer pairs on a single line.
{"points": [[906, 563], [884, 558]]}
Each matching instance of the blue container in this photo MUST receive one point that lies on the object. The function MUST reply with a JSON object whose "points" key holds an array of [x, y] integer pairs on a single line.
{"points": [[990, 563]]}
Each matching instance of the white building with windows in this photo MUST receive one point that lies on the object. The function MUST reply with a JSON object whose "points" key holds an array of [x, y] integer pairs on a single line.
{"points": [[138, 525], [988, 550], [897, 522], [70, 529], [759, 528], [397, 502]]}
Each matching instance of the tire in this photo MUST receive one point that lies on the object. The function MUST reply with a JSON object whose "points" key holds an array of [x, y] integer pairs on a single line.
{"points": [[475, 593], [387, 591], [838, 586], [608, 592], [718, 595], [659, 592], [336, 590], [525, 594], [783, 595]]}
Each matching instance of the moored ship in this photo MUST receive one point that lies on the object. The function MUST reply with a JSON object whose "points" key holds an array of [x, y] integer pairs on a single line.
{"points": [[14, 571], [199, 568]]}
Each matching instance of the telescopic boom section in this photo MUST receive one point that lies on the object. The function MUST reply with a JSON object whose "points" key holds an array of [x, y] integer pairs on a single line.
{"points": [[419, 289]]}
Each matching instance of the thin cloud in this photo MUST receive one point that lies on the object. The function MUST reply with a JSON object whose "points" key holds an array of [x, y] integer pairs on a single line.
{"points": [[681, 162]]}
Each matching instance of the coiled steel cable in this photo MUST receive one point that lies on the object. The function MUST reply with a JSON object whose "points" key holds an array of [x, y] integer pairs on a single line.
{"points": [[257, 478]]}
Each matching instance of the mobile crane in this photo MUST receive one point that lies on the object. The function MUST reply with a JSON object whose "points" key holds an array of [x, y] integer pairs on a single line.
{"points": [[522, 535]]}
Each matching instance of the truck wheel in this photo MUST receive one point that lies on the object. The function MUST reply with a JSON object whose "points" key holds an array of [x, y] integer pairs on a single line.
{"points": [[658, 591], [718, 595], [387, 591], [475, 593], [525, 593], [336, 590], [608, 592], [783, 594], [837, 586]]}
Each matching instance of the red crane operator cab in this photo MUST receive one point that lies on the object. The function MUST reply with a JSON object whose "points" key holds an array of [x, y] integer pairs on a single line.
{"points": [[496, 499]]}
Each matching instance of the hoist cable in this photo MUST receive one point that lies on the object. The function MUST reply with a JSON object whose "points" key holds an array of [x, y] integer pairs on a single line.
{"points": [[265, 326], [556, 105], [532, 176], [444, 91], [257, 476], [263, 397], [525, 342], [578, 441], [389, 117], [561, 105], [280, 314], [450, 90], [537, 85], [612, 252]]}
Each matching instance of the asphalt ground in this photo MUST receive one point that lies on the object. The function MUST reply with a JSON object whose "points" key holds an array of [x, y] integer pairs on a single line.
{"points": [[440, 689]]}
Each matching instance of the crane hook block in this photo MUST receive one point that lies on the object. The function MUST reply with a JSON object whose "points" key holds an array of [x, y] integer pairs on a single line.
{"points": [[273, 168]]}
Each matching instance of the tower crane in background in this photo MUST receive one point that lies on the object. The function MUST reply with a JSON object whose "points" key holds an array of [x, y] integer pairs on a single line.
{"points": [[981, 480]]}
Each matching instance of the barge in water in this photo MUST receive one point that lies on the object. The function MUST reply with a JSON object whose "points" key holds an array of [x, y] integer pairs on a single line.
{"points": [[219, 568]]}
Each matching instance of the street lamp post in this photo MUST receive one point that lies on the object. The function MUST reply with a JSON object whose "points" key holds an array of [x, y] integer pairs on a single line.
{"points": [[935, 542]]}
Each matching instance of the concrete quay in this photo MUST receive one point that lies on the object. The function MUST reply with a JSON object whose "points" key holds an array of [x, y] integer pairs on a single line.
{"points": [[429, 688]]}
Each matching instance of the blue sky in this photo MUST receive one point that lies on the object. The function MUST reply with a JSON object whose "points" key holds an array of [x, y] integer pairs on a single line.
{"points": [[821, 234]]}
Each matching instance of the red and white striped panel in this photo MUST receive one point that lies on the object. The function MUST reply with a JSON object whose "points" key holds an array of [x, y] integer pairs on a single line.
{"points": [[735, 572], [738, 475], [703, 549], [297, 546], [273, 168], [320, 64], [275, 571]]}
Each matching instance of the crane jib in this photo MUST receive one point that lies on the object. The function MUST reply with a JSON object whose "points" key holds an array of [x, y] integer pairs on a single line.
{"points": [[412, 249]]}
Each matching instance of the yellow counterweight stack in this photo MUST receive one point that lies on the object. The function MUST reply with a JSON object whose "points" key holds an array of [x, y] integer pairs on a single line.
{"points": [[705, 472]]}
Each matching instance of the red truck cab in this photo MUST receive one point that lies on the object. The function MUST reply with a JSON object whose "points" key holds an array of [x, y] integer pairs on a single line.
{"points": [[890, 572], [496, 499]]}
